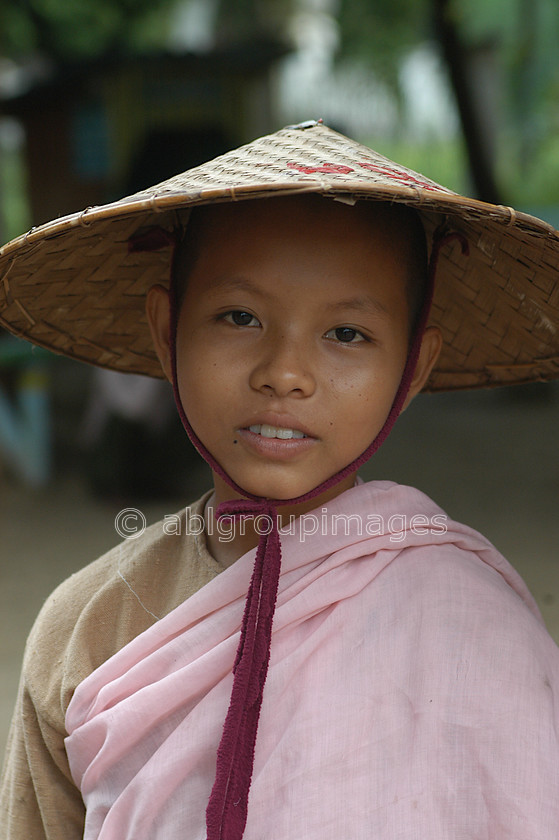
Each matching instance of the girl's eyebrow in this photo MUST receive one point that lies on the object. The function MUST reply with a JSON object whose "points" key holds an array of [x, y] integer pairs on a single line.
{"points": [[235, 284], [366, 303]]}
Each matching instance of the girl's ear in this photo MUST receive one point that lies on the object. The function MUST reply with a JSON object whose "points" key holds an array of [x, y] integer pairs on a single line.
{"points": [[159, 319], [428, 354]]}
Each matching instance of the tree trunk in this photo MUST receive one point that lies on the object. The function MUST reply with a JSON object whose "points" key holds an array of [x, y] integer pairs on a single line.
{"points": [[456, 60]]}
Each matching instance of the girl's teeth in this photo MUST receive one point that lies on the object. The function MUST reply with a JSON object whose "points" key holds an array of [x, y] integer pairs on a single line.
{"points": [[274, 432]]}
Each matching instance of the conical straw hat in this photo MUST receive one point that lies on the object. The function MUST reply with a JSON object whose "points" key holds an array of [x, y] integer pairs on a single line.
{"points": [[73, 287]]}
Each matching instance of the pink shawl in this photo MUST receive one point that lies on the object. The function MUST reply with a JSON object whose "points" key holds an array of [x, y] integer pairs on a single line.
{"points": [[412, 692]]}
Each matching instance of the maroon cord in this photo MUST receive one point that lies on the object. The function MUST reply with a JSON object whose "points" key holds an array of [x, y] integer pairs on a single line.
{"points": [[226, 813]]}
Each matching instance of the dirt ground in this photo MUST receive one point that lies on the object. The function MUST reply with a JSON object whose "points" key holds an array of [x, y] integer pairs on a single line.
{"points": [[489, 459]]}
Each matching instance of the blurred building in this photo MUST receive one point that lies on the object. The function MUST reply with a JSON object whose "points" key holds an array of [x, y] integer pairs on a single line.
{"points": [[98, 130]]}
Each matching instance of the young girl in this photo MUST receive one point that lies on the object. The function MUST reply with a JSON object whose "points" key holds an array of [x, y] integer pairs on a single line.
{"points": [[389, 674]]}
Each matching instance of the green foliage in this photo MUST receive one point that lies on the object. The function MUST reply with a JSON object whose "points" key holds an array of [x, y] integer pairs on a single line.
{"points": [[241, 20], [14, 209], [482, 20], [68, 31], [444, 161], [382, 32], [537, 183]]}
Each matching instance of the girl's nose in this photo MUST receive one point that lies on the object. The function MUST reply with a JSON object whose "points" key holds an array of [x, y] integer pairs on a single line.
{"points": [[283, 370]]}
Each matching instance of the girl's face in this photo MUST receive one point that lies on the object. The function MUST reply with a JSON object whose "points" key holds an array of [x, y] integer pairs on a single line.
{"points": [[292, 339]]}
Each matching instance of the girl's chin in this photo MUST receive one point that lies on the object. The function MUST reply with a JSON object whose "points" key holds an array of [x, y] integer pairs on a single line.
{"points": [[267, 487], [285, 491]]}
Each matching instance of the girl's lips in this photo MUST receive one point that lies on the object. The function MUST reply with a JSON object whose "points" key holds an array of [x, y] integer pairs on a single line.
{"points": [[275, 447]]}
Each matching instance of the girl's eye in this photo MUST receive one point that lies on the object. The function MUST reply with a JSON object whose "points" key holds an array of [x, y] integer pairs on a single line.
{"points": [[347, 335], [241, 318]]}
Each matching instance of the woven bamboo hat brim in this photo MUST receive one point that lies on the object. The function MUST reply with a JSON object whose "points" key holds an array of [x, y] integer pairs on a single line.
{"points": [[73, 287]]}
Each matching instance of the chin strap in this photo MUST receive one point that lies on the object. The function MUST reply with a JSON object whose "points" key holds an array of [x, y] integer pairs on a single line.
{"points": [[226, 813]]}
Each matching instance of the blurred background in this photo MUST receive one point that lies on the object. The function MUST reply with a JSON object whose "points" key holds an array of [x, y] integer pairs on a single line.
{"points": [[100, 98]]}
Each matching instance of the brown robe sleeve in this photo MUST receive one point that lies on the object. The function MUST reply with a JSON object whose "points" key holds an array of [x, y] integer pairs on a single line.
{"points": [[86, 620], [38, 796]]}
